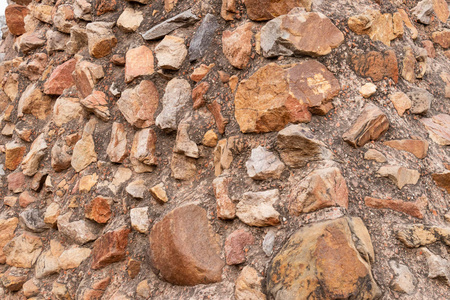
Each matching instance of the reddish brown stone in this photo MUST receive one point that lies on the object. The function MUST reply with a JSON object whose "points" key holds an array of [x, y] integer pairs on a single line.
{"points": [[183, 248], [442, 38], [376, 65], [417, 147], [198, 94], [15, 15], [260, 10], [104, 6], [226, 209], [200, 72], [99, 210], [61, 78], [26, 199], [414, 209], [215, 109], [133, 268], [110, 248], [442, 180], [428, 45], [369, 126], [16, 182], [237, 45], [235, 244], [118, 60], [14, 155]]}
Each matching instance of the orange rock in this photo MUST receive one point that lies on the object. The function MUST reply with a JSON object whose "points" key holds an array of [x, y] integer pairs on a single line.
{"points": [[442, 38], [442, 180], [405, 18], [198, 94], [226, 209], [14, 155], [104, 6], [414, 209], [417, 147], [441, 10], [7, 228], [99, 210], [109, 248], [215, 109], [139, 62], [200, 72], [15, 15], [26, 199], [376, 65], [401, 102], [61, 78], [261, 10]]}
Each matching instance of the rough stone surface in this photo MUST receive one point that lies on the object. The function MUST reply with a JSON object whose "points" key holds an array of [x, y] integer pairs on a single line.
{"points": [[15, 15], [110, 248], [401, 102], [171, 52], [139, 62], [237, 45], [183, 249], [420, 101], [376, 65], [23, 250], [203, 37], [60, 79], [263, 164], [101, 39], [401, 176], [417, 147], [99, 210], [130, 20], [139, 219], [414, 209], [404, 281], [257, 208], [183, 19], [226, 209], [235, 244], [438, 128], [269, 9]]}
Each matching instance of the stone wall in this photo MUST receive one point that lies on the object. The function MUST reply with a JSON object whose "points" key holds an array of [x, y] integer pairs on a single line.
{"points": [[234, 149]]}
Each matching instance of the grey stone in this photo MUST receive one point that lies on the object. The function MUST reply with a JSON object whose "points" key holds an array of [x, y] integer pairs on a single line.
{"points": [[421, 100], [203, 37], [423, 11], [268, 242], [32, 220], [437, 266], [177, 95], [263, 164], [404, 281], [136, 189], [56, 41], [183, 19], [79, 231]]}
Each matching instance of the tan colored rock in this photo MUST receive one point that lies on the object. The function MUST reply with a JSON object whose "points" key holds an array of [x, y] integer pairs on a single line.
{"points": [[442, 38], [66, 110], [258, 10], [237, 45], [210, 139], [404, 281], [60, 291], [23, 250], [79, 231], [7, 228], [306, 265], [415, 209], [30, 289], [438, 128], [401, 176], [320, 189], [416, 235], [13, 155], [86, 76], [159, 193], [274, 96], [409, 64], [417, 147], [368, 90], [369, 126], [34, 102], [375, 155], [32, 160], [200, 72], [73, 257], [183, 168], [183, 144], [248, 285], [441, 10], [376, 65], [198, 94], [13, 279], [407, 22], [228, 9], [137, 188], [223, 157], [401, 102], [442, 180], [171, 52], [139, 62], [97, 104], [101, 39], [52, 213], [26, 199], [130, 20], [142, 155], [60, 158], [117, 147], [378, 26], [11, 86], [139, 104], [183, 248], [169, 5], [256, 208], [87, 183], [43, 13], [226, 209], [83, 153], [63, 18], [300, 33]]}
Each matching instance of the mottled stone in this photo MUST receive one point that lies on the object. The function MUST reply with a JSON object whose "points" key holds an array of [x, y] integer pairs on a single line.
{"points": [[86, 76], [183, 144], [63, 17], [183, 168], [15, 15], [142, 155], [104, 6], [198, 94], [171, 52], [438, 267], [423, 11], [401, 102], [32, 160], [83, 153], [369, 126], [226, 209], [34, 102], [61, 78], [26, 198], [237, 45], [32, 220], [320, 189], [14, 153], [256, 208], [79, 231], [442, 38], [139, 219], [117, 147], [73, 257], [16, 182], [97, 104], [263, 165], [442, 180], [136, 189], [61, 159], [401, 176], [415, 209], [258, 10], [420, 100], [416, 235], [110, 248], [159, 193], [138, 104], [248, 285], [201, 71], [300, 33], [183, 19], [7, 228], [56, 41], [183, 248], [139, 62], [306, 265], [438, 128], [375, 155], [235, 244], [203, 37], [30, 41], [376, 65], [23, 251], [101, 39], [99, 210]]}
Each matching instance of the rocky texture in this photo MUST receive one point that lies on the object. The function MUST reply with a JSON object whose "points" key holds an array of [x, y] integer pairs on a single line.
{"points": [[416, 235], [23, 250], [369, 126], [269, 9], [183, 19], [320, 189], [226, 209], [257, 208], [404, 281], [203, 37], [401, 102], [414, 209], [417, 147], [237, 45], [110, 248], [401, 176], [376, 65], [438, 128], [117, 147], [139, 62], [171, 52], [142, 153], [263, 164], [98, 210], [15, 15], [300, 33], [130, 20], [186, 261], [306, 263], [101, 39], [61, 78]]}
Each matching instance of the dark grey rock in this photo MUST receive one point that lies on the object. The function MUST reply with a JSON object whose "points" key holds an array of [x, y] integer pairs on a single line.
{"points": [[203, 37], [186, 18], [33, 221]]}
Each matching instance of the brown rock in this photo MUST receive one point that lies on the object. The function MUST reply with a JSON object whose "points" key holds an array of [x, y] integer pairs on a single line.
{"points": [[322, 188], [117, 147], [142, 155], [228, 9], [215, 110], [83, 153], [139, 62], [235, 244], [375, 155], [306, 265], [441, 10], [66, 110], [401, 102], [183, 248], [438, 128], [442, 38], [63, 18], [133, 268], [210, 138], [198, 94], [248, 285], [200, 72], [26, 199], [274, 96], [407, 22], [226, 209], [61, 78], [16, 182], [369, 126], [13, 155], [159, 193], [409, 63], [23, 250], [34, 102], [138, 105], [415, 209], [258, 10], [442, 180], [110, 248], [7, 228], [99, 210], [61, 159], [13, 279], [86, 75], [428, 45], [417, 147], [15, 15], [401, 176], [104, 6], [376, 65], [237, 45], [101, 39], [183, 168], [96, 103]]}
